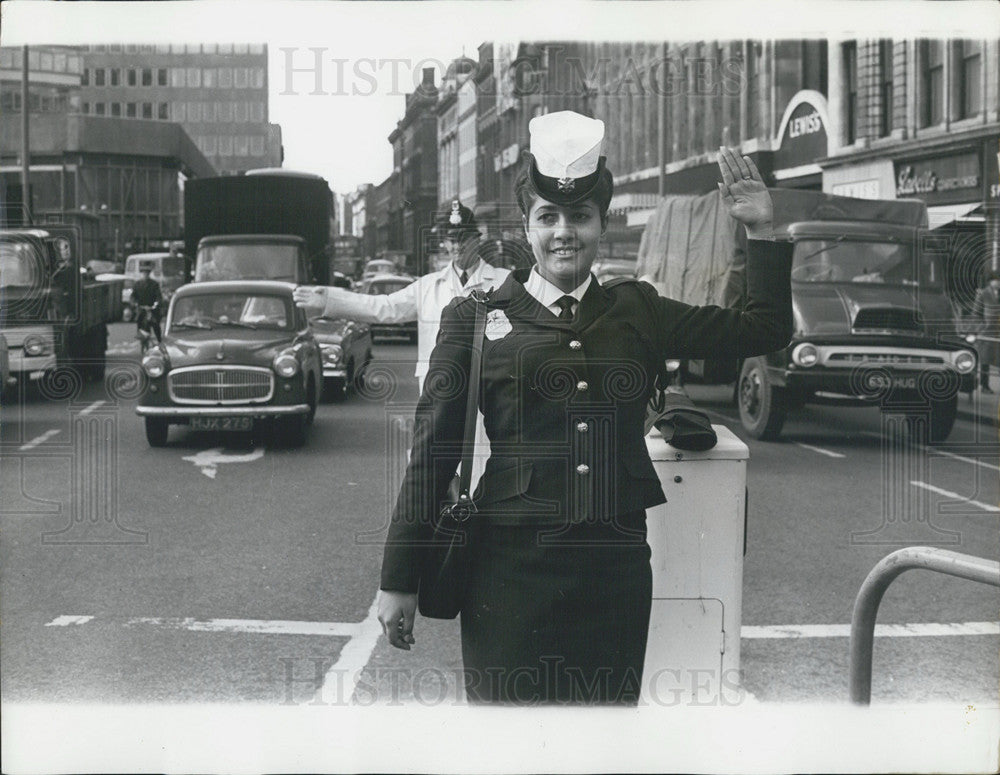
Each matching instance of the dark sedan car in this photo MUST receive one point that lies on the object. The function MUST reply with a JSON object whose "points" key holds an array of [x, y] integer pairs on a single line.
{"points": [[232, 353], [346, 348], [389, 283]]}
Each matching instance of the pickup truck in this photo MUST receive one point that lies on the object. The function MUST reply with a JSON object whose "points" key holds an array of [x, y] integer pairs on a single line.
{"points": [[872, 322], [54, 313]]}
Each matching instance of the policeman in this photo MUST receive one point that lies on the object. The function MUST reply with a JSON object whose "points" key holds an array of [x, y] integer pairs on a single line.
{"points": [[557, 605], [146, 293]]}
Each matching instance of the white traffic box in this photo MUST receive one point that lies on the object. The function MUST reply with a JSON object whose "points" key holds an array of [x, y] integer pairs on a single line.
{"points": [[696, 537]]}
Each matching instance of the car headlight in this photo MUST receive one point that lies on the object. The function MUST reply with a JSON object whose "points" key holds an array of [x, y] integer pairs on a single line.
{"points": [[970, 338], [286, 365], [36, 345], [965, 361], [805, 355], [154, 365], [332, 353]]}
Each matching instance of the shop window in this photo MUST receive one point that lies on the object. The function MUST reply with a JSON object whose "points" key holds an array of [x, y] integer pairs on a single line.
{"points": [[885, 87], [932, 54], [850, 53], [969, 58]]}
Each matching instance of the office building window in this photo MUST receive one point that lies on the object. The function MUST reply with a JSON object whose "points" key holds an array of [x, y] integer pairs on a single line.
{"points": [[194, 112], [932, 82], [59, 63], [257, 146], [115, 48], [99, 108], [45, 61], [208, 77], [116, 76], [131, 48], [257, 77], [850, 51], [256, 48], [240, 48], [241, 145], [161, 76], [133, 77], [225, 146], [130, 110], [211, 147], [163, 111], [116, 109], [99, 77], [194, 77], [85, 108], [180, 112], [225, 48], [969, 58], [177, 77], [84, 76], [147, 76], [257, 111], [225, 112], [209, 110], [242, 77], [162, 49], [225, 78], [241, 112], [74, 64], [885, 87], [147, 110]]}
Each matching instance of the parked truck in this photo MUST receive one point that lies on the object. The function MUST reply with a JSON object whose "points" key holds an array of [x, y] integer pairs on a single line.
{"points": [[52, 311], [269, 224], [872, 322]]}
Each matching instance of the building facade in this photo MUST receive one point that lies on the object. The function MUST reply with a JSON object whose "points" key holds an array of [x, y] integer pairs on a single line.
{"points": [[217, 92]]}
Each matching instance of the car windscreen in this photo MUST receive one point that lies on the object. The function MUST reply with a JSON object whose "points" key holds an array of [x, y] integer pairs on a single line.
{"points": [[21, 266], [172, 267], [839, 260], [241, 310], [247, 262]]}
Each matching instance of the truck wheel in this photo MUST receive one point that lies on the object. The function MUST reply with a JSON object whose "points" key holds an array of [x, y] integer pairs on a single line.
{"points": [[761, 404], [157, 431], [937, 425]]}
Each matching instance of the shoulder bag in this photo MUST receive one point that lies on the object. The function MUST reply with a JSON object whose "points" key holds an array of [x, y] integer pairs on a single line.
{"points": [[444, 570]]}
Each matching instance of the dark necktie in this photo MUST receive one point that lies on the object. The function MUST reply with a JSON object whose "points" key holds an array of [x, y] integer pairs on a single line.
{"points": [[464, 277], [565, 304]]}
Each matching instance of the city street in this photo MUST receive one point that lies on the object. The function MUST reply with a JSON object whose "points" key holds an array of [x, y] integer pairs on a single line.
{"points": [[229, 569]]}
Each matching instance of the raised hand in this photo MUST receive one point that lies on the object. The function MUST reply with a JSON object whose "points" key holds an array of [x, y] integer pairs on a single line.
{"points": [[744, 193], [311, 298]]}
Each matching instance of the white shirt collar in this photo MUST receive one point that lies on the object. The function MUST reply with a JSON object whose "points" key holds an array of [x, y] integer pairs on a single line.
{"points": [[546, 293], [474, 272]]}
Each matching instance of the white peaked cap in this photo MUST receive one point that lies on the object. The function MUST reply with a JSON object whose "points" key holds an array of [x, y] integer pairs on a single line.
{"points": [[566, 144]]}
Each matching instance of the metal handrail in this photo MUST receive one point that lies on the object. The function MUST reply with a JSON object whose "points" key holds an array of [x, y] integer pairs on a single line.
{"points": [[964, 566]]}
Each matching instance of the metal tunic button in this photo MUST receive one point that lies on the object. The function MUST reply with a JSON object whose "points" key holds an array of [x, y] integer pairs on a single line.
{"points": [[583, 469], [581, 385], [582, 427], [575, 345]]}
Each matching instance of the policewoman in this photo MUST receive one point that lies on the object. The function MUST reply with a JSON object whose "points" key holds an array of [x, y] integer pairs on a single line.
{"points": [[557, 607]]}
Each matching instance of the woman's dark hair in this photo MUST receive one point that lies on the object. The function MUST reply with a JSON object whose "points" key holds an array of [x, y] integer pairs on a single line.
{"points": [[525, 191]]}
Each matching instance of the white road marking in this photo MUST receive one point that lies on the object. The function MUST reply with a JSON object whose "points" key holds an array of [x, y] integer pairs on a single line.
{"points": [[208, 460], [40, 439], [91, 408], [345, 672], [955, 496], [918, 630], [65, 621], [258, 626], [966, 459], [820, 450]]}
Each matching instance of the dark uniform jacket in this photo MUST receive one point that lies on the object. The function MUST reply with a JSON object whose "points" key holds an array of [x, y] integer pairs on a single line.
{"points": [[147, 293], [564, 402]]}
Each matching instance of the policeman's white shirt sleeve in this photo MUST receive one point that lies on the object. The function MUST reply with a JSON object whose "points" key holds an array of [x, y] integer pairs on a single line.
{"points": [[397, 307]]}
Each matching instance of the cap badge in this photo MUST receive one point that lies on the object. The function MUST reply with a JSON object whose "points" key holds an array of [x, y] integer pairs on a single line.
{"points": [[566, 184], [455, 218]]}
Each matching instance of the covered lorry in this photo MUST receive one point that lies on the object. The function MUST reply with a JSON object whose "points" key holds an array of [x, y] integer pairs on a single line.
{"points": [[872, 322], [52, 311], [264, 225]]}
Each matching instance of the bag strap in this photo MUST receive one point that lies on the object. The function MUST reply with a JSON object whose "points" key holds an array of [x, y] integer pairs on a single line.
{"points": [[472, 403]]}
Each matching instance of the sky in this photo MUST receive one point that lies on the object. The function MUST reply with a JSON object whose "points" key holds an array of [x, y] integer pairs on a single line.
{"points": [[371, 53]]}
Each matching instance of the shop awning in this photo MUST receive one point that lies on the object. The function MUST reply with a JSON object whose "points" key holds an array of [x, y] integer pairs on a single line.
{"points": [[942, 215]]}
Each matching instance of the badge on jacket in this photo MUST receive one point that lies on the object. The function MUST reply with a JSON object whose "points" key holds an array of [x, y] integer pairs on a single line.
{"points": [[497, 325]]}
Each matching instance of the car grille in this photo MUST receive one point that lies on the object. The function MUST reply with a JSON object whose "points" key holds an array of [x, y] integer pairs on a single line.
{"points": [[890, 359], [887, 319], [221, 385]]}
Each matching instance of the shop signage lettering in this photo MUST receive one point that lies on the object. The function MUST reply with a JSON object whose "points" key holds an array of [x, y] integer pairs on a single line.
{"points": [[910, 182], [805, 125]]}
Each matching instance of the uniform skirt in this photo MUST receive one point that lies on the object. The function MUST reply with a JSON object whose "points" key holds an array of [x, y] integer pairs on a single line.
{"points": [[557, 617]]}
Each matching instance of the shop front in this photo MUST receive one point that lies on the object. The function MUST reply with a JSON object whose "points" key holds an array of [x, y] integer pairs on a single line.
{"points": [[803, 141]]}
